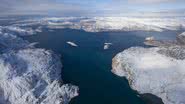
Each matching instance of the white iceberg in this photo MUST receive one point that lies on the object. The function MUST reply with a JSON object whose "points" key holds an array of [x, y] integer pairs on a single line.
{"points": [[72, 44], [106, 46], [149, 38]]}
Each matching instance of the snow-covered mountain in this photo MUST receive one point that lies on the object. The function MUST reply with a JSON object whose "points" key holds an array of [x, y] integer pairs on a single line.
{"points": [[99, 24], [159, 71], [29, 75], [33, 76]]}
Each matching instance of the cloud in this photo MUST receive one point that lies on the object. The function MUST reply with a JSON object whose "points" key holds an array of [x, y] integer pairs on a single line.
{"points": [[84, 7], [38, 7]]}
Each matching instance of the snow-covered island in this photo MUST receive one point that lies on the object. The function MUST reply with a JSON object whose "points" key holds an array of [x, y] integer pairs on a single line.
{"points": [[72, 44], [29, 75], [158, 71], [106, 46]]}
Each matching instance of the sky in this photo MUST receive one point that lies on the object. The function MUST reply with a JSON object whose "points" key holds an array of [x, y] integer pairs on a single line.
{"points": [[93, 7]]}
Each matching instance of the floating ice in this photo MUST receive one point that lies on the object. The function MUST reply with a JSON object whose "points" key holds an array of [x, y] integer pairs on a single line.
{"points": [[106, 46], [72, 44]]}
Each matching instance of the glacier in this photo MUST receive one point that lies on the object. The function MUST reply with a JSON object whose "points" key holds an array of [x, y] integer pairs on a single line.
{"points": [[30, 75], [156, 70]]}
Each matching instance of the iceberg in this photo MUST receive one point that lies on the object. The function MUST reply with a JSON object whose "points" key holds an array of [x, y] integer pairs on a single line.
{"points": [[106, 46], [149, 38], [72, 44]]}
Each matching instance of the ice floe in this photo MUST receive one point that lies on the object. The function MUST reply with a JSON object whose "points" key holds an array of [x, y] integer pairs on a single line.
{"points": [[107, 46], [72, 44]]}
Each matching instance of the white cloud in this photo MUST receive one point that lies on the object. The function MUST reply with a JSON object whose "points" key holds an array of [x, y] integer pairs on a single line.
{"points": [[38, 7], [81, 8]]}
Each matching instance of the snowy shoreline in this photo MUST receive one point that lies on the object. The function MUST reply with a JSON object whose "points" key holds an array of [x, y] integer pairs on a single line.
{"points": [[30, 75], [97, 24], [13, 47], [158, 71]]}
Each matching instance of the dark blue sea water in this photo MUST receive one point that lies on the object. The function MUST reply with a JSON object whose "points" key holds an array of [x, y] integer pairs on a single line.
{"points": [[89, 66]]}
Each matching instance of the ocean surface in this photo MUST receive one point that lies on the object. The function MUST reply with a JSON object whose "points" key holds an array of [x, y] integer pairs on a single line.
{"points": [[89, 65]]}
